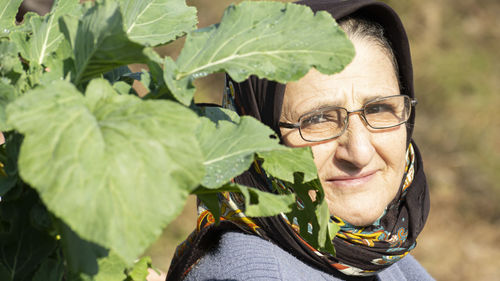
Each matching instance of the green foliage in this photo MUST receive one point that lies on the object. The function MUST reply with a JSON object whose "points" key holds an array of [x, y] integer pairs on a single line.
{"points": [[229, 147], [24, 241], [155, 22], [99, 43], [7, 94], [46, 35], [264, 39], [8, 15], [283, 163], [77, 140], [257, 203], [90, 173]]}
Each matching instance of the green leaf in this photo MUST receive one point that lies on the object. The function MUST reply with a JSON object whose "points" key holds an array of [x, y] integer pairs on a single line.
{"points": [[217, 114], [140, 270], [269, 39], [155, 22], [58, 64], [183, 89], [22, 247], [7, 95], [264, 204], [81, 256], [50, 270], [4, 273], [11, 69], [100, 43], [9, 58], [68, 24], [211, 200], [284, 163], [312, 216], [8, 11], [9, 153], [46, 35], [115, 168], [111, 268], [122, 88], [258, 203], [229, 148]]}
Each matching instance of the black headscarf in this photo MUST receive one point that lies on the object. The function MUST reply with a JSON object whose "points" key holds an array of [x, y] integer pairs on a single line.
{"points": [[263, 100]]}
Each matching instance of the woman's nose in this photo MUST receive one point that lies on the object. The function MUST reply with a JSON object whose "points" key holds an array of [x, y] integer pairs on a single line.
{"points": [[355, 145]]}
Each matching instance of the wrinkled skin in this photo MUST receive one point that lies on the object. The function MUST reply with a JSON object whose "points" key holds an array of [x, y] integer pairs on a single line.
{"points": [[362, 169]]}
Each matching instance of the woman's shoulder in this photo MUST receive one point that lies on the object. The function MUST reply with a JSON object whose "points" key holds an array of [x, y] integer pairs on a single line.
{"points": [[406, 269], [247, 257]]}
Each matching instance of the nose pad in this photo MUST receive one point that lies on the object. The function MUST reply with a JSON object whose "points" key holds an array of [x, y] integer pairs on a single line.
{"points": [[355, 145]]}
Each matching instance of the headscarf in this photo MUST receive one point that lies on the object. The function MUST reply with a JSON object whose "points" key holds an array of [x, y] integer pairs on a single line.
{"points": [[360, 251]]}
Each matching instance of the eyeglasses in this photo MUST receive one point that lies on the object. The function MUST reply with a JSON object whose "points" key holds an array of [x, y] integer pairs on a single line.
{"points": [[331, 122]]}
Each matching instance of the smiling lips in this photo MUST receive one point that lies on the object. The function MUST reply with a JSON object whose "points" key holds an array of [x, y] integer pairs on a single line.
{"points": [[351, 181]]}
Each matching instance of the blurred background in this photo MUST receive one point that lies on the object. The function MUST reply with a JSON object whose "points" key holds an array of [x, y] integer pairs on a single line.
{"points": [[456, 60]]}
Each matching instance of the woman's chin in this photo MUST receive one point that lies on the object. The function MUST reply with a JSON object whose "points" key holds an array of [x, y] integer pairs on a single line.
{"points": [[360, 221], [357, 214]]}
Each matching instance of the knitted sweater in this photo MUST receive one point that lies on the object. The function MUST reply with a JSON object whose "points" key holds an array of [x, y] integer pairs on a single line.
{"points": [[247, 257]]}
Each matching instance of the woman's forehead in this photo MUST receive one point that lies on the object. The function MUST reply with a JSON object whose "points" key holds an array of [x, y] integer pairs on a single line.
{"points": [[371, 74]]}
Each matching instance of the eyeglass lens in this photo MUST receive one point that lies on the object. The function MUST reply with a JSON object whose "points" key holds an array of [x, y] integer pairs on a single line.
{"points": [[378, 114]]}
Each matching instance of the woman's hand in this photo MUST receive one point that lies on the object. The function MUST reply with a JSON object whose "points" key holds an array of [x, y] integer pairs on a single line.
{"points": [[153, 276]]}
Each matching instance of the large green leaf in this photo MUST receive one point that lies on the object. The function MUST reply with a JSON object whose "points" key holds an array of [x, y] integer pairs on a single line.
{"points": [[46, 35], [229, 147], [155, 22], [115, 168], [277, 41], [100, 43], [8, 11], [284, 163]]}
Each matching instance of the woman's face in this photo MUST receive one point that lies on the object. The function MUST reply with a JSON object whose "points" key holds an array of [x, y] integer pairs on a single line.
{"points": [[362, 169]]}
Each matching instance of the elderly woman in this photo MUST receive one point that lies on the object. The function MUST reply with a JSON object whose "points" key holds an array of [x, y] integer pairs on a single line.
{"points": [[358, 124]]}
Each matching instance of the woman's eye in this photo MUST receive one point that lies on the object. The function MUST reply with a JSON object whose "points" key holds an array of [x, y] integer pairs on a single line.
{"points": [[315, 119], [379, 108]]}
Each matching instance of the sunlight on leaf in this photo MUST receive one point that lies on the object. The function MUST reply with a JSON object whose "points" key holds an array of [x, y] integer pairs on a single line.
{"points": [[127, 161], [269, 39], [155, 22]]}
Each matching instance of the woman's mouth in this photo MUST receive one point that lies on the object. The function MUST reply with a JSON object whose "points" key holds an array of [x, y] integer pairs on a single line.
{"points": [[351, 180]]}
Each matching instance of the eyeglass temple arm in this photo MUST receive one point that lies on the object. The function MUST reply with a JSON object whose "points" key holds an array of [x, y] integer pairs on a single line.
{"points": [[413, 102], [289, 125]]}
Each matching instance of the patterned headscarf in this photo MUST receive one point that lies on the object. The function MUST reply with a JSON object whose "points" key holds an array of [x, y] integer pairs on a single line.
{"points": [[360, 251]]}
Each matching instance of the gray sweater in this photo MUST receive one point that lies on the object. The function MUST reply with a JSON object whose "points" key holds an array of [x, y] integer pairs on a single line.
{"points": [[247, 257]]}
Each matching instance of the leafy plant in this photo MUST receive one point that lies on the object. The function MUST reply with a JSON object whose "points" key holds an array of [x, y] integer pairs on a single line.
{"points": [[91, 173]]}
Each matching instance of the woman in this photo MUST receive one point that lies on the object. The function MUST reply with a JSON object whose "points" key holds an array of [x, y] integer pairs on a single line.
{"points": [[358, 124]]}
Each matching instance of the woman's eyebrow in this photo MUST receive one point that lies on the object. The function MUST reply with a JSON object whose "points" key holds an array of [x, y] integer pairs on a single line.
{"points": [[372, 97], [315, 106]]}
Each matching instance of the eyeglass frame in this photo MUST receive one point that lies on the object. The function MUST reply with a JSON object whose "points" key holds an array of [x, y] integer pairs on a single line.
{"points": [[361, 112]]}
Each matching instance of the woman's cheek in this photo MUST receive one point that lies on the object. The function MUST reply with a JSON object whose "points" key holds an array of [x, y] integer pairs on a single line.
{"points": [[322, 154]]}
